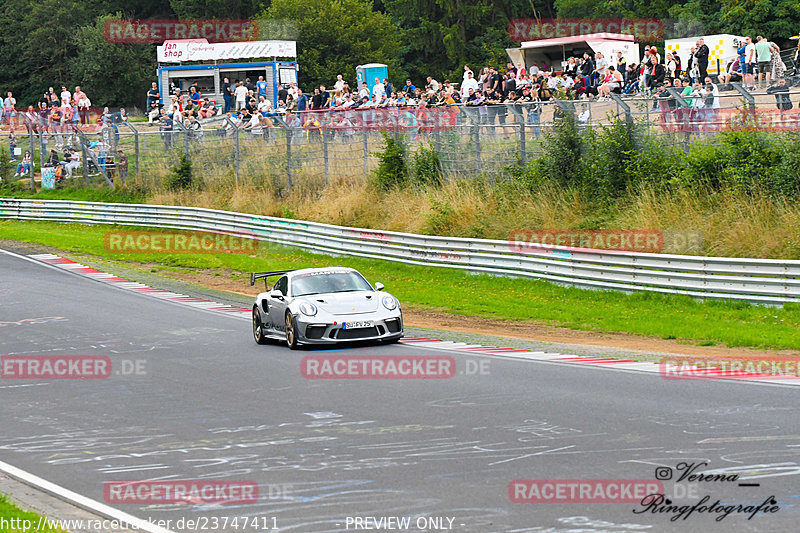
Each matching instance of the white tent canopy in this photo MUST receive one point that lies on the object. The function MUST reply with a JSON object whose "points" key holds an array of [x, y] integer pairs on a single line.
{"points": [[553, 52]]}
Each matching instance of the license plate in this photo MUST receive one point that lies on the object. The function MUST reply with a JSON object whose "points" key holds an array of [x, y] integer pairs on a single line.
{"points": [[357, 325]]}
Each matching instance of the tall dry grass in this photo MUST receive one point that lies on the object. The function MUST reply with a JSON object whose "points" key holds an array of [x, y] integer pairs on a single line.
{"points": [[730, 223]]}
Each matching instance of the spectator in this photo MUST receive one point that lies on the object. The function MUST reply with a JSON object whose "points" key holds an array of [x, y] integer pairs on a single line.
{"points": [[12, 144], [764, 56], [10, 110], [587, 68], [72, 161], [691, 64], [364, 92], [732, 73], [782, 99], [241, 96], [601, 68], [153, 95], [378, 89], [469, 83], [194, 95], [387, 86], [261, 86], [316, 100], [702, 58], [24, 167], [671, 66], [65, 94], [122, 165], [302, 101], [339, 85], [326, 96], [666, 104], [283, 95], [165, 126], [750, 60], [622, 65], [467, 70], [633, 79], [227, 95], [612, 82], [776, 65], [572, 67]]}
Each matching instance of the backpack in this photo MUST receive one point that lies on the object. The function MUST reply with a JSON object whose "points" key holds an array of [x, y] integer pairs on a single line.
{"points": [[59, 172]]}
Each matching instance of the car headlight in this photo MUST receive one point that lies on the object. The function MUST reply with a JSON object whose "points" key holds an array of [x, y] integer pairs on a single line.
{"points": [[308, 309], [389, 303]]}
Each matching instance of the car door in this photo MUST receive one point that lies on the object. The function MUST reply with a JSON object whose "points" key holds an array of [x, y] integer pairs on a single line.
{"points": [[277, 306]]}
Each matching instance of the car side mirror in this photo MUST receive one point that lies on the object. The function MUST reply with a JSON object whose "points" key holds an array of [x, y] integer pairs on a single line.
{"points": [[379, 286], [278, 295]]}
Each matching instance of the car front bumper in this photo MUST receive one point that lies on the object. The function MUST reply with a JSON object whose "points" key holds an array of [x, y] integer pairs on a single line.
{"points": [[310, 331]]}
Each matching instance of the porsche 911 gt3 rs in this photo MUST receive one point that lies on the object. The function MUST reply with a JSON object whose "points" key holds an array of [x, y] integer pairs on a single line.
{"points": [[324, 306]]}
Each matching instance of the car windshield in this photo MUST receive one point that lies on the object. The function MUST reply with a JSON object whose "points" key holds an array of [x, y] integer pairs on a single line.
{"points": [[318, 283]]}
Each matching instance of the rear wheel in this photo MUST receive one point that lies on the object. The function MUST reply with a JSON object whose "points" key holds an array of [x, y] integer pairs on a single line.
{"points": [[258, 328], [291, 332]]}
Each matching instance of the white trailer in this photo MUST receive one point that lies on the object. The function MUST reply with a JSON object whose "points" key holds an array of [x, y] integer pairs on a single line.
{"points": [[721, 49]]}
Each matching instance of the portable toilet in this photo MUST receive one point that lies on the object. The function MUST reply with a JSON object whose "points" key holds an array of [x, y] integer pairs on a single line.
{"points": [[368, 73]]}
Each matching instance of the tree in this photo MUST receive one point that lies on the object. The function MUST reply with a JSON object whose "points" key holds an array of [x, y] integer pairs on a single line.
{"points": [[335, 36], [214, 9], [112, 74]]}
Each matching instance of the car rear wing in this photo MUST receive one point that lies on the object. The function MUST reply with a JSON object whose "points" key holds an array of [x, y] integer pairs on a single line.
{"points": [[264, 275]]}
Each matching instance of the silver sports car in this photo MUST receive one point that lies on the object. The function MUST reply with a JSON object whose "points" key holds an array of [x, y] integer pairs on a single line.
{"points": [[324, 306]]}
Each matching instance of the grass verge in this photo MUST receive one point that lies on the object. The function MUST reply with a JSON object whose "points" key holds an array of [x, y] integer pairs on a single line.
{"points": [[16, 516], [735, 324]]}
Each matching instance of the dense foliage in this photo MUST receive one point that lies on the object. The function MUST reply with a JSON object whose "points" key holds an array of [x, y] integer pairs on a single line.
{"points": [[54, 42]]}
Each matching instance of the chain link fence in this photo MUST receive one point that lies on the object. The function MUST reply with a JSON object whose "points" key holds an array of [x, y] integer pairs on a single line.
{"points": [[318, 147]]}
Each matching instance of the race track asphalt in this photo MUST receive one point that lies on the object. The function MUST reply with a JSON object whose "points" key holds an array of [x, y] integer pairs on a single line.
{"points": [[207, 403]]}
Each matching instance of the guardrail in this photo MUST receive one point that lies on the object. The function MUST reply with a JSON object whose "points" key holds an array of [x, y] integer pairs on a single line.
{"points": [[765, 281]]}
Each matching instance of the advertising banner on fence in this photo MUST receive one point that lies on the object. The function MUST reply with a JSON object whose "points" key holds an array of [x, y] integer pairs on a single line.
{"points": [[643, 30], [392, 118]]}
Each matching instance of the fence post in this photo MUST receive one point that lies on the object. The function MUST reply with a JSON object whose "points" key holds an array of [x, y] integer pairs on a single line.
{"points": [[85, 158], [625, 108], [523, 156], [325, 154], [42, 154], [289, 134], [33, 160], [237, 156], [365, 138], [476, 132]]}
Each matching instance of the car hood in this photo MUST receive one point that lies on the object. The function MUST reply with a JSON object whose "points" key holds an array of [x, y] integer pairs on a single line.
{"points": [[346, 303]]}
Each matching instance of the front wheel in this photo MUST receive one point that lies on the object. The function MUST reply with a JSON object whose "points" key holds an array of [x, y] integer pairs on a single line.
{"points": [[291, 332], [258, 328]]}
